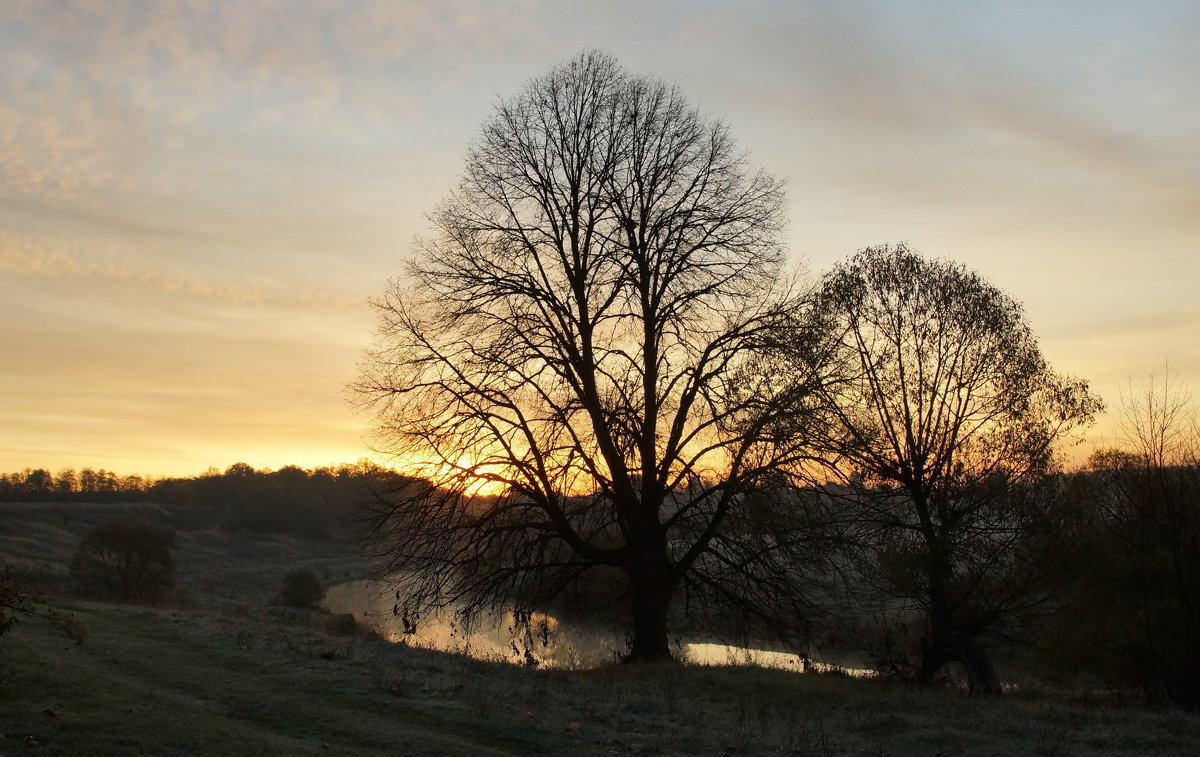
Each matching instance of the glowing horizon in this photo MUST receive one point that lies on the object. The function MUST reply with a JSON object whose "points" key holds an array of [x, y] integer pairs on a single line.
{"points": [[197, 203]]}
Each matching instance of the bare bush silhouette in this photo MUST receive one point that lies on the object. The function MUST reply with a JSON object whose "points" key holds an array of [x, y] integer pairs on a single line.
{"points": [[18, 599], [125, 558], [301, 588]]}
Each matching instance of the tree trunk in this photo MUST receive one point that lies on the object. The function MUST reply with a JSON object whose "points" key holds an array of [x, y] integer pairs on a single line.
{"points": [[947, 644], [937, 647], [650, 592], [981, 676], [944, 647]]}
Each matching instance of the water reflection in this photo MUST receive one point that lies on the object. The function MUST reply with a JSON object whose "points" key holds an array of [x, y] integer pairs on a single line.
{"points": [[713, 653], [543, 641]]}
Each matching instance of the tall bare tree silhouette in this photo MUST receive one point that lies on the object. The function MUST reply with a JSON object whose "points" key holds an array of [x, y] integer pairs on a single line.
{"points": [[570, 360]]}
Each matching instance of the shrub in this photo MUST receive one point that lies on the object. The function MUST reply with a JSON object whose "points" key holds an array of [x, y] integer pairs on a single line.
{"points": [[342, 624], [18, 600], [301, 588], [125, 558]]}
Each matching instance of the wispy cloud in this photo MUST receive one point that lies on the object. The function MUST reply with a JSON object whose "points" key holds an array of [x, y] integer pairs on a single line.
{"points": [[67, 260]]}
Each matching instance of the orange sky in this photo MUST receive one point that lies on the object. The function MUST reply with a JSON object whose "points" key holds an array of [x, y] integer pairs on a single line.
{"points": [[197, 199]]}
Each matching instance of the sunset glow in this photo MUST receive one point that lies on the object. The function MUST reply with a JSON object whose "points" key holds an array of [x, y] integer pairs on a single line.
{"points": [[197, 202]]}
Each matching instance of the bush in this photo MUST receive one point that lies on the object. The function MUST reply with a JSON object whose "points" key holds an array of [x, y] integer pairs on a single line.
{"points": [[17, 600], [125, 558], [342, 624], [301, 588]]}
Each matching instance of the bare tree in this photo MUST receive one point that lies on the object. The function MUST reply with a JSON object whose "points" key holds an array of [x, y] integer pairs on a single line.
{"points": [[569, 361], [1137, 610], [1159, 422], [938, 416]]}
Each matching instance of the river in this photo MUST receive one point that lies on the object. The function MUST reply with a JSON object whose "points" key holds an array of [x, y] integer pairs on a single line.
{"points": [[547, 642]]}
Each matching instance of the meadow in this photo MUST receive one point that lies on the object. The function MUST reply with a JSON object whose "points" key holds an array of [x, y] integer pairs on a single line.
{"points": [[221, 668]]}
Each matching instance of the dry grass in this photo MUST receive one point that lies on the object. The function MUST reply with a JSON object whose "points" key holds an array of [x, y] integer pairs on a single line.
{"points": [[227, 673]]}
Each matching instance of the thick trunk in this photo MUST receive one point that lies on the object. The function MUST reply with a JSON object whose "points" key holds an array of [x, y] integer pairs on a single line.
{"points": [[946, 643], [932, 661], [650, 598], [981, 676], [945, 646]]}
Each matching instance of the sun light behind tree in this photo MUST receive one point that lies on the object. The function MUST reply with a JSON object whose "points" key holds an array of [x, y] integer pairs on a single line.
{"points": [[579, 331]]}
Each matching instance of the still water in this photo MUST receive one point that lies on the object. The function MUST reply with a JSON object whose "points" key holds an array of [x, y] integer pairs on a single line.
{"points": [[546, 642]]}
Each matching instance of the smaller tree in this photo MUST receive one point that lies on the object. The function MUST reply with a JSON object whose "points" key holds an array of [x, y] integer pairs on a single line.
{"points": [[125, 558], [938, 422]]}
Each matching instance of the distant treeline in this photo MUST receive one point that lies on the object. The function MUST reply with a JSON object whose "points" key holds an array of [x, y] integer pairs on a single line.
{"points": [[313, 502], [40, 485]]}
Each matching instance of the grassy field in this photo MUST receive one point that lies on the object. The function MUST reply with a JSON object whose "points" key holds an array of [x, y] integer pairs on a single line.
{"points": [[223, 671]]}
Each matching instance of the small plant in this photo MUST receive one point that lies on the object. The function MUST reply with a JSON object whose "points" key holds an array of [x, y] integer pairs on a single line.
{"points": [[342, 624], [18, 600], [125, 558], [301, 588]]}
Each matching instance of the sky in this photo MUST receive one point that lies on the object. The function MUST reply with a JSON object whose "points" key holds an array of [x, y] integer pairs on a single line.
{"points": [[198, 198]]}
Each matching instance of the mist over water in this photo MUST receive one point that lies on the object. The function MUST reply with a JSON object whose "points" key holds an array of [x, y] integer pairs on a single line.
{"points": [[546, 642]]}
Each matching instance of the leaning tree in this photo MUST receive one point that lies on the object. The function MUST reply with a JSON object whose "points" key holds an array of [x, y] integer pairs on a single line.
{"points": [[939, 417], [570, 364]]}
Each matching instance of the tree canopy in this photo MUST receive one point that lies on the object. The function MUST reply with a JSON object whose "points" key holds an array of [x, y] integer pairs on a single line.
{"points": [[569, 359], [938, 417]]}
